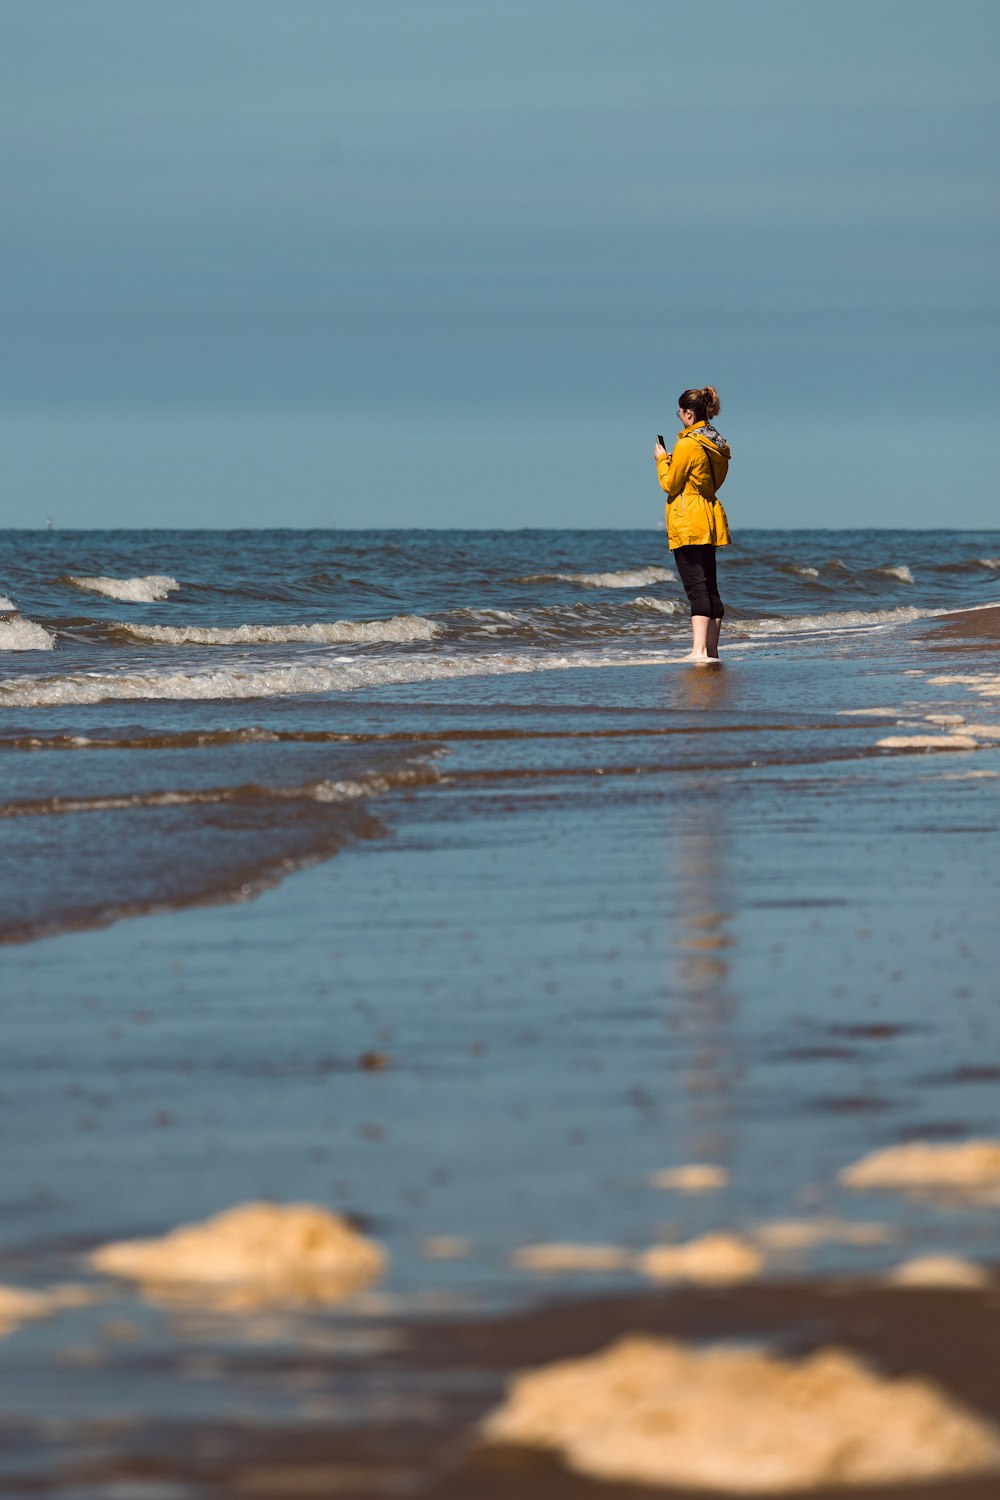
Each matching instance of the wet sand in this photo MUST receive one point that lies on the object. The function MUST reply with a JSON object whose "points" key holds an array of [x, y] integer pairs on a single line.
{"points": [[967, 629], [770, 950], [418, 1401]]}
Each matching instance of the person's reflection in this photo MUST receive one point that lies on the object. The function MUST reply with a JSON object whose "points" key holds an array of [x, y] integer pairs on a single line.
{"points": [[701, 910]]}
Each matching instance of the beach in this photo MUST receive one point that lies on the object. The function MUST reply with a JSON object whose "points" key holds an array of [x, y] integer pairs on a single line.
{"points": [[452, 901]]}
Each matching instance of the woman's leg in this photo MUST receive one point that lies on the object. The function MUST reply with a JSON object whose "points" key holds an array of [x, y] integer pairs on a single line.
{"points": [[715, 605], [690, 564]]}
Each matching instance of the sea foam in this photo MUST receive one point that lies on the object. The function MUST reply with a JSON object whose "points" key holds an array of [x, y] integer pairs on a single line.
{"points": [[844, 619], [7, 606], [661, 606], [132, 590], [650, 1411], [901, 573], [627, 578], [340, 676], [399, 629], [24, 635]]}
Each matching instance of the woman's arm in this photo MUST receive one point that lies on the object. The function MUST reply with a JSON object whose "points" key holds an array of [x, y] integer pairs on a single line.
{"points": [[672, 469]]}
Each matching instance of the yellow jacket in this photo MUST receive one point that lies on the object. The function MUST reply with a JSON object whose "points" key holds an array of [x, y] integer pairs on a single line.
{"points": [[691, 475]]}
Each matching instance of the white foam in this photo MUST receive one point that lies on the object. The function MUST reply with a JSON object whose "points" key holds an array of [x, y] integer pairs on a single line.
{"points": [[744, 1421], [967, 1166], [492, 621], [928, 742], [256, 1255], [400, 628], [902, 573], [627, 578], [941, 1270], [24, 635], [844, 619], [339, 676], [805, 572], [133, 590], [662, 606], [879, 712], [7, 606], [989, 562], [987, 685]]}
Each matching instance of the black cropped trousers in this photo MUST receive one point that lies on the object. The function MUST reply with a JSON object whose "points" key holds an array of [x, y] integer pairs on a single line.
{"points": [[696, 565]]}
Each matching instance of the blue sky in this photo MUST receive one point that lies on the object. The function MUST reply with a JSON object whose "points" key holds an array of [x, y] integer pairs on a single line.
{"points": [[329, 263]]}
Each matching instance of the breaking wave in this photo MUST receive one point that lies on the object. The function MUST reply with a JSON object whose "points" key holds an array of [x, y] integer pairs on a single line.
{"points": [[24, 635], [661, 606], [902, 573], [546, 639], [7, 606], [400, 629], [131, 590], [627, 578], [344, 675], [566, 624], [844, 619]]}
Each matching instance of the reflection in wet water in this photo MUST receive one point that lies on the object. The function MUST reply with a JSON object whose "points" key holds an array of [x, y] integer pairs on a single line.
{"points": [[702, 907]]}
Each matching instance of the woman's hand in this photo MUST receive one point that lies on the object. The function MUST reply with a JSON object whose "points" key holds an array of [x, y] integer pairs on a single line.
{"points": [[659, 451]]}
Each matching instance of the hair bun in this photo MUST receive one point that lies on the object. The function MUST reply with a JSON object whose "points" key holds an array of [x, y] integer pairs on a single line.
{"points": [[703, 401]]}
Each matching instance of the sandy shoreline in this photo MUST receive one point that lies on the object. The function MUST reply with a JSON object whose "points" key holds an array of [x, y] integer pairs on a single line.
{"points": [[968, 629], [449, 1372]]}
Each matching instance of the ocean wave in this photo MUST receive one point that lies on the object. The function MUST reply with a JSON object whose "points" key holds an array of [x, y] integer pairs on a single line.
{"points": [[349, 789], [661, 606], [627, 578], [548, 625], [7, 606], [341, 676], [902, 573], [400, 629], [131, 590], [993, 563], [24, 635], [571, 629], [843, 619], [803, 572]]}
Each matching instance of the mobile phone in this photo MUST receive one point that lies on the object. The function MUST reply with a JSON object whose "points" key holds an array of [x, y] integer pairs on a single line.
{"points": [[659, 439]]}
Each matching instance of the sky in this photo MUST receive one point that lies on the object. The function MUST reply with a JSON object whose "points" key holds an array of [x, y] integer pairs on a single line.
{"points": [[364, 262]]}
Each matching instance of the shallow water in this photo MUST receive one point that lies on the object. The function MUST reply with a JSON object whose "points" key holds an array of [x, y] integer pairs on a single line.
{"points": [[242, 688], [602, 915]]}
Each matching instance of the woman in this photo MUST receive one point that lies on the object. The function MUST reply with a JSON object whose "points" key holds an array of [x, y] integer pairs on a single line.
{"points": [[696, 522]]}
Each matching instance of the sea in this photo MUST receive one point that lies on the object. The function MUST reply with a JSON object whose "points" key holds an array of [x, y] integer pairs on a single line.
{"points": [[191, 716], [417, 875]]}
